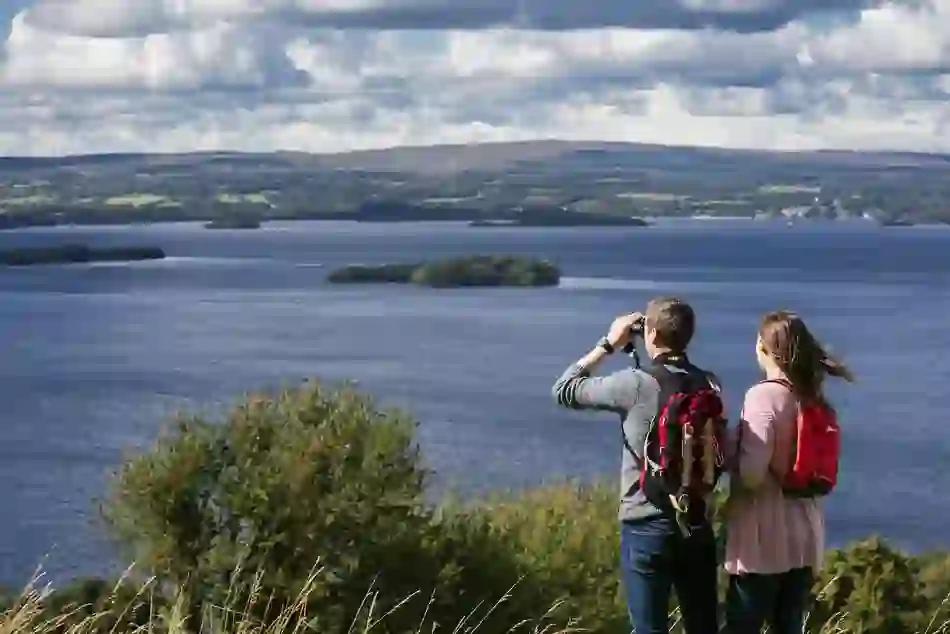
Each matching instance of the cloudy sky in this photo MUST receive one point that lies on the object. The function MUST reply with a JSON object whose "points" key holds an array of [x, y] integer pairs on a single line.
{"points": [[334, 75]]}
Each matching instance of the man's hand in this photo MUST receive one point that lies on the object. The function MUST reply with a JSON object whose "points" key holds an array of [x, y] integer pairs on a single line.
{"points": [[619, 333], [617, 336]]}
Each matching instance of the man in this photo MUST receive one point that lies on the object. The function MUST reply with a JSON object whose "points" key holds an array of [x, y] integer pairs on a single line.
{"points": [[655, 554]]}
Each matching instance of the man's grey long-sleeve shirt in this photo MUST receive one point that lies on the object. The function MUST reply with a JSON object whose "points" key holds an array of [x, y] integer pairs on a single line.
{"points": [[633, 395]]}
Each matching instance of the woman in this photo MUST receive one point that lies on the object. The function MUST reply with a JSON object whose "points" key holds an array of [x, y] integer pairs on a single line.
{"points": [[774, 542]]}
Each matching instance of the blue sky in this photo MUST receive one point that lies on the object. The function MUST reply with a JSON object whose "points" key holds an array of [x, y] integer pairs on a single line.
{"points": [[336, 75]]}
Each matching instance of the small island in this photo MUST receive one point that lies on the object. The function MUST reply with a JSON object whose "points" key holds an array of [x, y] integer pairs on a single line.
{"points": [[77, 253], [234, 222], [479, 270], [366, 273]]}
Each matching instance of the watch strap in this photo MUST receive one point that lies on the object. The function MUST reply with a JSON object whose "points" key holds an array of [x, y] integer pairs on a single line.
{"points": [[605, 344]]}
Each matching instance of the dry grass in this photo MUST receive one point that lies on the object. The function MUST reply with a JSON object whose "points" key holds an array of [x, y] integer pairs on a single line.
{"points": [[30, 615]]}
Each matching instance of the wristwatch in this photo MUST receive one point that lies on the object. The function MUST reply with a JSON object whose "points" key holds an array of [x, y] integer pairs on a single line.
{"points": [[605, 344]]}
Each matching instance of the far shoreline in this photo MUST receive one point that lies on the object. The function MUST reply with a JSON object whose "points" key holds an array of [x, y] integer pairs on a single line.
{"points": [[281, 224]]}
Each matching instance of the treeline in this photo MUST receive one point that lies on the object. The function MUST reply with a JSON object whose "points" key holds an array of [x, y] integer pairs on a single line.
{"points": [[305, 511], [225, 213]]}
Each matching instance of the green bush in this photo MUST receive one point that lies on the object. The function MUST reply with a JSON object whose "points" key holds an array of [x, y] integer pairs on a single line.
{"points": [[8, 598], [934, 575], [871, 588], [311, 477], [567, 537]]}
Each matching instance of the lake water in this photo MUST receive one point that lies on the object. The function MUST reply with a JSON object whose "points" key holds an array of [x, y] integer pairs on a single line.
{"points": [[96, 357]]}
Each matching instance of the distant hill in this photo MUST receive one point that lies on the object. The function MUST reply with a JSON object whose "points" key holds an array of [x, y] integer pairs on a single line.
{"points": [[476, 182], [482, 156]]}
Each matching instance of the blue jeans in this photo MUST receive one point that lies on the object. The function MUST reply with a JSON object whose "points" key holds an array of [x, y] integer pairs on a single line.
{"points": [[655, 558], [780, 600]]}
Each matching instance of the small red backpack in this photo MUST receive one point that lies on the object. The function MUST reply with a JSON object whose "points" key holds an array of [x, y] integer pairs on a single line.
{"points": [[816, 450]]}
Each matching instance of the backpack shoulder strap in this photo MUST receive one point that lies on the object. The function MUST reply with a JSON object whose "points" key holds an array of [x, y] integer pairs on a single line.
{"points": [[670, 380], [685, 377], [661, 373], [788, 386], [668, 383], [783, 382], [713, 380]]}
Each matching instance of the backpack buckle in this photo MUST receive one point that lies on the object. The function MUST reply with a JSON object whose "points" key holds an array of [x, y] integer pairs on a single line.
{"points": [[681, 511]]}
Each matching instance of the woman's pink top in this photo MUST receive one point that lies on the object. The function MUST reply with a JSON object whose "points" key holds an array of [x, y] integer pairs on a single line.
{"points": [[768, 533]]}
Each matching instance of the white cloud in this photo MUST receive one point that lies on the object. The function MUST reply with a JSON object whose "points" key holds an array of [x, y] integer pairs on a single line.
{"points": [[891, 38], [103, 18], [111, 75], [220, 55]]}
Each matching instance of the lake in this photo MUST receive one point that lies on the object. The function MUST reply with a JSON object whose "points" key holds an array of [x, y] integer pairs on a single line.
{"points": [[97, 356]]}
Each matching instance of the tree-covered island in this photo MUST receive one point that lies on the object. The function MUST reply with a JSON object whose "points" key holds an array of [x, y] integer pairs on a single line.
{"points": [[478, 270]]}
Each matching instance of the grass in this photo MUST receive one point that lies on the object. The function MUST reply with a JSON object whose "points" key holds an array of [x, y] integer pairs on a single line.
{"points": [[145, 199], [136, 200], [789, 189], [447, 200], [652, 196], [723, 203], [29, 614], [256, 198], [36, 199]]}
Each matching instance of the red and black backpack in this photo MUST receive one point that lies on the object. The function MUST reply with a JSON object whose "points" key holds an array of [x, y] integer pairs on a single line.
{"points": [[683, 456], [816, 450]]}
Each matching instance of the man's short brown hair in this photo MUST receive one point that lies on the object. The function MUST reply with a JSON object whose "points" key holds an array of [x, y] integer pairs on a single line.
{"points": [[674, 322]]}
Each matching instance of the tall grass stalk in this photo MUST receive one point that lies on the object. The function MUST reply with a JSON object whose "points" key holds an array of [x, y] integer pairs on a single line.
{"points": [[29, 614]]}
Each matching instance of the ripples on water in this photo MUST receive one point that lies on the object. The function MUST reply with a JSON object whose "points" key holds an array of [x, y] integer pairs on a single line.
{"points": [[97, 356]]}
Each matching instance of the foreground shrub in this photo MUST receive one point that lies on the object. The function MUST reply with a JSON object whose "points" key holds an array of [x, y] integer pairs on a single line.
{"points": [[934, 576], [567, 536], [871, 588], [314, 488], [7, 598]]}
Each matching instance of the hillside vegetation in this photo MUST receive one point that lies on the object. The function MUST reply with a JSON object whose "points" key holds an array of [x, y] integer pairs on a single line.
{"points": [[303, 511], [550, 183]]}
